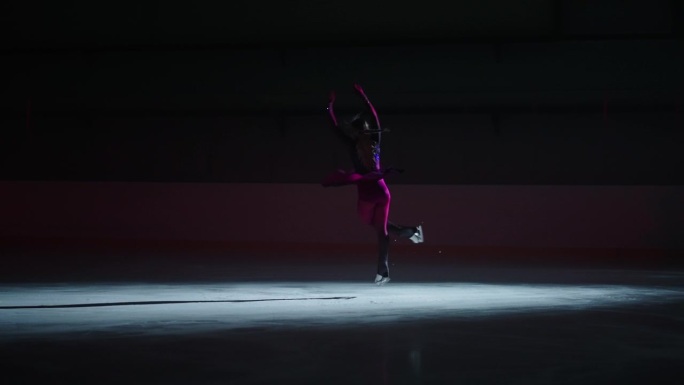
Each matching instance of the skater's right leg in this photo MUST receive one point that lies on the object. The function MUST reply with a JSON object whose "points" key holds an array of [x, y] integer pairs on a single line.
{"points": [[401, 231], [415, 234]]}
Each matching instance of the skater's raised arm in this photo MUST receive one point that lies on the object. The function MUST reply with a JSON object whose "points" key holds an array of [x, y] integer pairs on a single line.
{"points": [[340, 131], [369, 104], [331, 110]]}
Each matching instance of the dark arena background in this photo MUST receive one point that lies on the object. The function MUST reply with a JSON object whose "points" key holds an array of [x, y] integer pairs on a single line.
{"points": [[162, 219]]}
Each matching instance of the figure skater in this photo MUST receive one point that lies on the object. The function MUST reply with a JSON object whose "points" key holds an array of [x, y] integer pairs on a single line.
{"points": [[362, 138]]}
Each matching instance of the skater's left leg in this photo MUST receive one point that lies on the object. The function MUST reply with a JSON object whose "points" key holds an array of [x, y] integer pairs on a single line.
{"points": [[366, 211], [383, 255], [375, 214], [380, 216], [373, 209]]}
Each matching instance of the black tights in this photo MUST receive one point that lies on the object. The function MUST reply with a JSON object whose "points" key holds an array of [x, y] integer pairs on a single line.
{"points": [[383, 244]]}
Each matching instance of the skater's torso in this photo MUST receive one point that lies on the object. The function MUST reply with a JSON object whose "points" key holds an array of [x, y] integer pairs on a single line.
{"points": [[365, 153]]}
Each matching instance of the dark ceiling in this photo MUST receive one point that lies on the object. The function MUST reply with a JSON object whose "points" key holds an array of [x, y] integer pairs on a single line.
{"points": [[31, 25]]}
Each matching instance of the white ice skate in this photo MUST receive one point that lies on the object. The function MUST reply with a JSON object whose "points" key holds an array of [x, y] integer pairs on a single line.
{"points": [[380, 280], [418, 236]]}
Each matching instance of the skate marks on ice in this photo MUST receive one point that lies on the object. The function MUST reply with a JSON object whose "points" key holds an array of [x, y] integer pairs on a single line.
{"points": [[105, 304], [34, 309]]}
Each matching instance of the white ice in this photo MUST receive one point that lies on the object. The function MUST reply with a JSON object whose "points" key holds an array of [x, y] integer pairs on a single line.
{"points": [[288, 304]]}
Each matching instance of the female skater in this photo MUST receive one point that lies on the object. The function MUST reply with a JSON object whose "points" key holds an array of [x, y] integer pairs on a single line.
{"points": [[362, 137]]}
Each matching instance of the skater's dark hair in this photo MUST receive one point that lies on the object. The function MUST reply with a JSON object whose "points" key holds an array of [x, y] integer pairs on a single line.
{"points": [[364, 122]]}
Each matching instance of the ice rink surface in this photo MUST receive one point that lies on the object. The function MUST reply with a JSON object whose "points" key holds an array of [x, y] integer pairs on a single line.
{"points": [[433, 324], [161, 309]]}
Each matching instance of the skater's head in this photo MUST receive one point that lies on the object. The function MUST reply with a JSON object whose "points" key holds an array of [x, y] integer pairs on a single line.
{"points": [[364, 123]]}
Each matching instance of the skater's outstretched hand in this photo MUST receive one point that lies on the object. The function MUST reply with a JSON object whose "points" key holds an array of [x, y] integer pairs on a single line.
{"points": [[359, 89]]}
